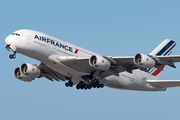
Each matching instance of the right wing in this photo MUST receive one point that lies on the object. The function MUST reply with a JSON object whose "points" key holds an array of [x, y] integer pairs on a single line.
{"points": [[50, 73]]}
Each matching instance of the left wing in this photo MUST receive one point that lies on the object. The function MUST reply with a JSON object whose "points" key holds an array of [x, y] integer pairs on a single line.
{"points": [[159, 60], [172, 58], [167, 60], [81, 64], [164, 83], [118, 64]]}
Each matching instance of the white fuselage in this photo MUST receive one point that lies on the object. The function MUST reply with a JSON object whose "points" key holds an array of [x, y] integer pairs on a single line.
{"points": [[40, 46]]}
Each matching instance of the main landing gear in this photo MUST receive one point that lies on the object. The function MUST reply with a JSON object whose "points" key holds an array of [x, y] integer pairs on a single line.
{"points": [[69, 83], [83, 85], [94, 84]]}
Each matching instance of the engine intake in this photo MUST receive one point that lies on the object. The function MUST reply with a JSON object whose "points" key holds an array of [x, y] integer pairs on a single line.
{"points": [[99, 62], [19, 75], [144, 61], [27, 72], [30, 70]]}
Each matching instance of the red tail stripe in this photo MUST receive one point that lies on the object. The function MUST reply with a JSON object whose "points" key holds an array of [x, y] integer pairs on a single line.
{"points": [[156, 72]]}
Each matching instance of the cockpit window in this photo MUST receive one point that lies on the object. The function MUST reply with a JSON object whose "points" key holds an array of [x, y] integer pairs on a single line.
{"points": [[16, 34]]}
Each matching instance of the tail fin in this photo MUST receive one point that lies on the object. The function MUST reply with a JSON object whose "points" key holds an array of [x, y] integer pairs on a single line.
{"points": [[164, 49]]}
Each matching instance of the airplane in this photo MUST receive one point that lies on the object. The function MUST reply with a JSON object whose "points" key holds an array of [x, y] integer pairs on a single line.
{"points": [[62, 61]]}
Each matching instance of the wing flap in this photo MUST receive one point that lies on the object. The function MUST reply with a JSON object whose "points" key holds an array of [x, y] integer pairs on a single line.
{"points": [[164, 83]]}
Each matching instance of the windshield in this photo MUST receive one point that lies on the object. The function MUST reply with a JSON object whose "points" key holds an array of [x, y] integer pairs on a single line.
{"points": [[16, 34]]}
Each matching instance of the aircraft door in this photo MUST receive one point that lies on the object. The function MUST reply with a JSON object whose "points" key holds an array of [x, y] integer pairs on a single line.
{"points": [[28, 39]]}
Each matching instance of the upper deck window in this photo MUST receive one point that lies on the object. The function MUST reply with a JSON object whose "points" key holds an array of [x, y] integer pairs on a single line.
{"points": [[16, 34]]}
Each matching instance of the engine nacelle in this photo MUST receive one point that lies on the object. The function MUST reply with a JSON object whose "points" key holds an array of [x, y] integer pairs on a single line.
{"points": [[27, 72], [30, 70], [19, 75], [99, 62], [144, 61]]}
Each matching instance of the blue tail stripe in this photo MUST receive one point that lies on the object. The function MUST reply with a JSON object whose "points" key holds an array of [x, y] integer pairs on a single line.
{"points": [[169, 49], [165, 48]]}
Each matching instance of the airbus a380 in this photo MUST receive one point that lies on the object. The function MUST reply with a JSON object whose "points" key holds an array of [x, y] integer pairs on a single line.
{"points": [[63, 61]]}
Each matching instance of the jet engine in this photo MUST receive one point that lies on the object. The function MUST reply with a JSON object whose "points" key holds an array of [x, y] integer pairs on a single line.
{"points": [[27, 72], [144, 61], [99, 62]]}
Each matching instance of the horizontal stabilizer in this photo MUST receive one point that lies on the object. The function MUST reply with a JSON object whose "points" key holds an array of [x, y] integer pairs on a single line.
{"points": [[164, 83]]}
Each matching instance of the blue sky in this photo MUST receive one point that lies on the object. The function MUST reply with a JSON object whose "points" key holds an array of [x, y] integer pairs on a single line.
{"points": [[111, 28]]}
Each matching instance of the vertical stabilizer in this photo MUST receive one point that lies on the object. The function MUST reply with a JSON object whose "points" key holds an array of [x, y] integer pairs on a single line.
{"points": [[164, 49]]}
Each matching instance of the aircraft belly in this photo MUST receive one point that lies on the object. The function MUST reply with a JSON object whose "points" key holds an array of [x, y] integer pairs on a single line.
{"points": [[127, 81]]}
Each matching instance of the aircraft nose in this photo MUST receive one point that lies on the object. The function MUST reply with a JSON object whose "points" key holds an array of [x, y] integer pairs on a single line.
{"points": [[10, 43], [8, 40]]}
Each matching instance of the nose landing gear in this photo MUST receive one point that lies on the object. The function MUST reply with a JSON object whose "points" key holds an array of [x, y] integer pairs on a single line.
{"points": [[12, 56], [13, 48]]}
